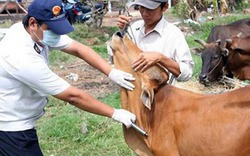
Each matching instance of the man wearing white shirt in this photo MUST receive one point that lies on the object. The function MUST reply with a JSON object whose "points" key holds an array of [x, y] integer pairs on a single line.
{"points": [[161, 41]]}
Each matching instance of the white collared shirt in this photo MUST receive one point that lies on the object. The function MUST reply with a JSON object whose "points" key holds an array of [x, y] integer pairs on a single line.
{"points": [[26, 80], [167, 39]]}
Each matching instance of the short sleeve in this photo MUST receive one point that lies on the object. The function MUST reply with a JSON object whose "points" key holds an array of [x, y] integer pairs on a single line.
{"points": [[34, 72], [64, 42]]}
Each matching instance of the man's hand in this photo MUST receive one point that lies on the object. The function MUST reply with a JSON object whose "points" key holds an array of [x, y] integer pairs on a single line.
{"points": [[124, 116], [123, 21], [122, 78], [146, 60]]}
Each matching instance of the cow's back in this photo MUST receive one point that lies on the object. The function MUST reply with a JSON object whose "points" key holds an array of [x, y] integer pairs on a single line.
{"points": [[224, 32]]}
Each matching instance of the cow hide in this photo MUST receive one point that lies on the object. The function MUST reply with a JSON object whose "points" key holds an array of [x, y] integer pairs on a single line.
{"points": [[180, 122]]}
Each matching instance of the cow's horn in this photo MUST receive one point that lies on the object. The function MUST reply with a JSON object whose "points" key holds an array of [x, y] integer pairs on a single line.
{"points": [[203, 43], [229, 40], [218, 41], [239, 34]]}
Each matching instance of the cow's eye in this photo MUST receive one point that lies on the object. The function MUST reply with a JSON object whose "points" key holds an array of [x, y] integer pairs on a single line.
{"points": [[216, 57]]}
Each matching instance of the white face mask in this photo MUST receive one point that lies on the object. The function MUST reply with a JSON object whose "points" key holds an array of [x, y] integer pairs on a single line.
{"points": [[49, 38]]}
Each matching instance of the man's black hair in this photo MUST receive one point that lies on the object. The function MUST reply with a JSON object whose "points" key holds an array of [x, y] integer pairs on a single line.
{"points": [[25, 21], [163, 4]]}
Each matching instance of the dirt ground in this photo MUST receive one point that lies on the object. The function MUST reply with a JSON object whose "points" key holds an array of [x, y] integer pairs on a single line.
{"points": [[87, 78]]}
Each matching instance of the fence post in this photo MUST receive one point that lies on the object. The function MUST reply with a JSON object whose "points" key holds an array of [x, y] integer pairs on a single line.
{"points": [[169, 4], [109, 6]]}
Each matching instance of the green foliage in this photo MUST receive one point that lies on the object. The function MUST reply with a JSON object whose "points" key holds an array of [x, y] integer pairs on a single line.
{"points": [[5, 23], [197, 67], [181, 10], [58, 57], [102, 50], [242, 4], [206, 27], [82, 33]]}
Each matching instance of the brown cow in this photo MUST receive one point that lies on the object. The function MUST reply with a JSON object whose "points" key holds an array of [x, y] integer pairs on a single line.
{"points": [[213, 58], [181, 122], [239, 56]]}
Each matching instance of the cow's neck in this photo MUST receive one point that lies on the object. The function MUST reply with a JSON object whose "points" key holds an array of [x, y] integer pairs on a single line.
{"points": [[146, 82], [130, 100], [129, 97]]}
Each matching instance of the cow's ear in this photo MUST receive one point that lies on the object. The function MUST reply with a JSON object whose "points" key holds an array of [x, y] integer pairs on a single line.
{"points": [[197, 50], [228, 43], [147, 97]]}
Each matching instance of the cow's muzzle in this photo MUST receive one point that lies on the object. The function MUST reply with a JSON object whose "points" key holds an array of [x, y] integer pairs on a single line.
{"points": [[203, 79], [121, 34]]}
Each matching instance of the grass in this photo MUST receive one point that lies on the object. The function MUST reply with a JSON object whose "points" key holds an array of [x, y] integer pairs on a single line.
{"points": [[60, 131], [6, 24]]}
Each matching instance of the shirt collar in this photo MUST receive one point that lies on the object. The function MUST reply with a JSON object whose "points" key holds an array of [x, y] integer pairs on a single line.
{"points": [[161, 25], [158, 28], [37, 48]]}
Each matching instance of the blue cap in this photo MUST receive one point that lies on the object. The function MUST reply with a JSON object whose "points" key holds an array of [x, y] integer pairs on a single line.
{"points": [[53, 15]]}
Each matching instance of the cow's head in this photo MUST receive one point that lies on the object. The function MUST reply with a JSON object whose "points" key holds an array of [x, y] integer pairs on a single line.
{"points": [[239, 56], [146, 83], [238, 44], [213, 60]]}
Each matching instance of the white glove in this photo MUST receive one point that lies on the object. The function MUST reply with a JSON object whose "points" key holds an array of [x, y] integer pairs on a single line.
{"points": [[121, 77], [124, 116]]}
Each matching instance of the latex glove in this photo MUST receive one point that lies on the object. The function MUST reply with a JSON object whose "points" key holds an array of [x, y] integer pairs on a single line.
{"points": [[121, 78], [124, 116]]}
